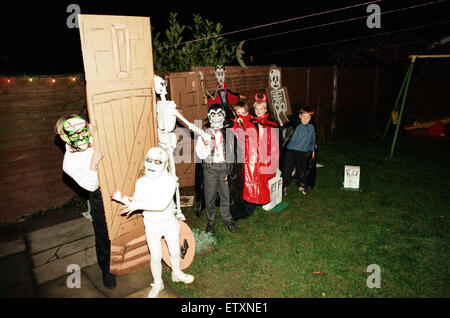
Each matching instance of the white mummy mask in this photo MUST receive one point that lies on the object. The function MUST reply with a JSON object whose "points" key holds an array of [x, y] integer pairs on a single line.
{"points": [[156, 162]]}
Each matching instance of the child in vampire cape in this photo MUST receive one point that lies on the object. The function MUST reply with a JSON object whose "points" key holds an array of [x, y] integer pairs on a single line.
{"points": [[216, 169]]}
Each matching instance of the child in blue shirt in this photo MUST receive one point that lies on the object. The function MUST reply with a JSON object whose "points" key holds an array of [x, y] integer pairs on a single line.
{"points": [[300, 151]]}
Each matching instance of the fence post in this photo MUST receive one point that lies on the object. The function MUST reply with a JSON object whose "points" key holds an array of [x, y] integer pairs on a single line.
{"points": [[375, 97], [334, 101]]}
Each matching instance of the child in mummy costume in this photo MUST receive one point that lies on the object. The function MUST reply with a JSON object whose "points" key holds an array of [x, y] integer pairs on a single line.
{"points": [[154, 196]]}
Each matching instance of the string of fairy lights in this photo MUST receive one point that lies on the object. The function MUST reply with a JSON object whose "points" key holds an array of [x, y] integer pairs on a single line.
{"points": [[33, 79]]}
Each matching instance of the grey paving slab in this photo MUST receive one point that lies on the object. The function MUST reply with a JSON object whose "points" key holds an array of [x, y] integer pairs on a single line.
{"points": [[16, 279], [59, 234], [11, 240], [126, 284], [64, 250], [58, 267], [165, 293], [58, 289]]}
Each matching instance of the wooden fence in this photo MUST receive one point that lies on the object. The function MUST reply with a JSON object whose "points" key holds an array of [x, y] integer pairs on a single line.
{"points": [[351, 101], [31, 177]]}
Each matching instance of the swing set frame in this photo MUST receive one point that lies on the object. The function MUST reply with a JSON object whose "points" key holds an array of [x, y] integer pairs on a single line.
{"points": [[402, 94]]}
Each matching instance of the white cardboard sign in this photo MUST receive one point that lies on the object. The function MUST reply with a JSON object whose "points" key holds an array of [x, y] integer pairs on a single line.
{"points": [[351, 177]]}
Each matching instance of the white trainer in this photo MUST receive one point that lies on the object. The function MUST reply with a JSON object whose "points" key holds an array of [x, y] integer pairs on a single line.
{"points": [[182, 277], [156, 288]]}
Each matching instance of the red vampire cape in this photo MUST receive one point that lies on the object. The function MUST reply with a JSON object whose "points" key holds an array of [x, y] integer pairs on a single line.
{"points": [[261, 157], [224, 96]]}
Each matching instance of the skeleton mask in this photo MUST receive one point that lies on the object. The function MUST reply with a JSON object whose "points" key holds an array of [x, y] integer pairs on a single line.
{"points": [[156, 162], [275, 79], [76, 134], [219, 71], [160, 87], [216, 117]]}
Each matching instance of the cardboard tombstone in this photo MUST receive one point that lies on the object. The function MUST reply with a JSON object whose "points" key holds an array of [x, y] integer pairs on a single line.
{"points": [[351, 177], [276, 191], [278, 97]]}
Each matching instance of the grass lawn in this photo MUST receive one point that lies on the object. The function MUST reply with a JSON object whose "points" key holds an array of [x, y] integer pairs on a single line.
{"points": [[400, 221]]}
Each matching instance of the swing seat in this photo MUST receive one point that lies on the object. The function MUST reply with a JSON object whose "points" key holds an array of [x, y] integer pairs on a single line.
{"points": [[428, 124], [438, 129]]}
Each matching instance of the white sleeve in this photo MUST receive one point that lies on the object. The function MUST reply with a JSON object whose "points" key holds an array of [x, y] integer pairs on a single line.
{"points": [[77, 166], [201, 149]]}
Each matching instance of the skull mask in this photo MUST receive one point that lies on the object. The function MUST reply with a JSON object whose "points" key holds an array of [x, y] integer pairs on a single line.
{"points": [[216, 117], [220, 71], [275, 79], [76, 134], [156, 162], [160, 87]]}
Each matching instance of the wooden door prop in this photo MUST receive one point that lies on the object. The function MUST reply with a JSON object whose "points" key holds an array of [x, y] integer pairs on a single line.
{"points": [[118, 63], [279, 103]]}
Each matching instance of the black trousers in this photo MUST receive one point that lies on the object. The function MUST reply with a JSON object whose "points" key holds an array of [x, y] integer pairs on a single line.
{"points": [[102, 242], [299, 161]]}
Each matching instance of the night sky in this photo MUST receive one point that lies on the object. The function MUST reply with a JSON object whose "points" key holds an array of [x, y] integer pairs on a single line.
{"points": [[35, 38]]}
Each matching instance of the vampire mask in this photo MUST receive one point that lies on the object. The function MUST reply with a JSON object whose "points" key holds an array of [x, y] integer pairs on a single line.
{"points": [[219, 71], [216, 117]]}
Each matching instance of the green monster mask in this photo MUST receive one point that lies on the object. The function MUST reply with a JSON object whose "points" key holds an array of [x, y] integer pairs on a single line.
{"points": [[76, 133]]}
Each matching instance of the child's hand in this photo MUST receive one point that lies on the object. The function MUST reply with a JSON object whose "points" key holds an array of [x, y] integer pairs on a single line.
{"points": [[116, 195], [96, 157], [119, 197], [92, 128], [128, 209], [206, 141]]}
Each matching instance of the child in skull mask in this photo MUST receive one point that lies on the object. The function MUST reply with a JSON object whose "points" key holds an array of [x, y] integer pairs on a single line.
{"points": [[215, 169], [154, 196], [80, 163]]}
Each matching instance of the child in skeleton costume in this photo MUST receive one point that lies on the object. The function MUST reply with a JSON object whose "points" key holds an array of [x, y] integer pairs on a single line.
{"points": [[80, 163], [215, 169], [154, 196]]}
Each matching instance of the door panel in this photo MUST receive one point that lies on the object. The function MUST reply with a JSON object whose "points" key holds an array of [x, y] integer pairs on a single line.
{"points": [[118, 61], [185, 91]]}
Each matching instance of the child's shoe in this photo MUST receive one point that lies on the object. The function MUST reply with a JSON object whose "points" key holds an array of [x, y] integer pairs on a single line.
{"points": [[182, 277], [156, 288], [303, 190]]}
